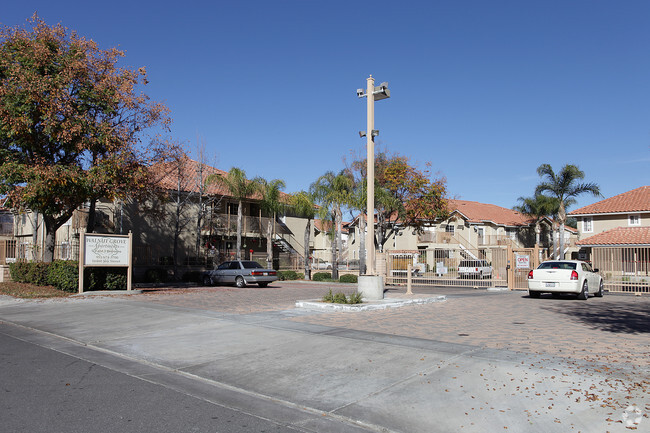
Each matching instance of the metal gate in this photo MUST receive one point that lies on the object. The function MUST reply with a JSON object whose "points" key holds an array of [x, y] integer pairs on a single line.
{"points": [[440, 266], [624, 269], [496, 266], [520, 262]]}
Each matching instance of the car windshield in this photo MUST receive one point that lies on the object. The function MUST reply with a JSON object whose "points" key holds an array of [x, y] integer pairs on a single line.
{"points": [[251, 265], [557, 265], [472, 264]]}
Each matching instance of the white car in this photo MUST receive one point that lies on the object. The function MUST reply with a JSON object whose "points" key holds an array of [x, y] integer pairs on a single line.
{"points": [[474, 269], [565, 276]]}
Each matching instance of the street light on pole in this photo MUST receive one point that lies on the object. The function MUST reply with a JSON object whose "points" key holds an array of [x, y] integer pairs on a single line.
{"points": [[373, 93]]}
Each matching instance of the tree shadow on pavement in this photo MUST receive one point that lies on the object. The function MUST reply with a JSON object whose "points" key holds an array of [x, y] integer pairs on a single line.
{"points": [[619, 317]]}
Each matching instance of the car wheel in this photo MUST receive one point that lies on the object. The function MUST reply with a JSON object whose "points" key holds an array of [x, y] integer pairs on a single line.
{"points": [[239, 282], [584, 293], [262, 284], [533, 294], [599, 293], [207, 281]]}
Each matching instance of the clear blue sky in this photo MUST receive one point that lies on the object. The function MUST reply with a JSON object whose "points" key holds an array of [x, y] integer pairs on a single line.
{"points": [[484, 90]]}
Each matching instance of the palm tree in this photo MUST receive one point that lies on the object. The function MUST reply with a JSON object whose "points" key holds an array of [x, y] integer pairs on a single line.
{"points": [[537, 207], [358, 203], [271, 205], [239, 188], [333, 192], [564, 186], [303, 204]]}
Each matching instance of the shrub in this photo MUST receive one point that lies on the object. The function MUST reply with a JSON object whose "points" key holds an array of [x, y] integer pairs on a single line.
{"points": [[340, 298], [105, 279], [348, 278], [287, 275], [64, 275], [300, 276], [37, 273], [18, 271], [155, 275], [116, 280], [355, 298], [321, 276]]}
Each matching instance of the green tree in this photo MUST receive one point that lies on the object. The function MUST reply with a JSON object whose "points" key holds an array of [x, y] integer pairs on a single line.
{"points": [[405, 196], [303, 204], [70, 123], [565, 187], [239, 188], [333, 192], [271, 204], [359, 204], [537, 207]]}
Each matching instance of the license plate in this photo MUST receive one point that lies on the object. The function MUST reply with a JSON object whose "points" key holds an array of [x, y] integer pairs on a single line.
{"points": [[266, 273], [550, 284]]}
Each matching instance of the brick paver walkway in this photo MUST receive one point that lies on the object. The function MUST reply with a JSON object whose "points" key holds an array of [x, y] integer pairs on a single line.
{"points": [[614, 329]]}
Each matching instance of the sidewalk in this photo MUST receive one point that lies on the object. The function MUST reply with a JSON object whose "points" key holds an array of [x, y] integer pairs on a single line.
{"points": [[324, 379]]}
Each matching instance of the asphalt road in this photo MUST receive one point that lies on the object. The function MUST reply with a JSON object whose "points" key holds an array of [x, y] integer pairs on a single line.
{"points": [[47, 391]]}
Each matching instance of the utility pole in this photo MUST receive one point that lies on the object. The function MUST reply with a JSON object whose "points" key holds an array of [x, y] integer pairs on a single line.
{"points": [[371, 94]]}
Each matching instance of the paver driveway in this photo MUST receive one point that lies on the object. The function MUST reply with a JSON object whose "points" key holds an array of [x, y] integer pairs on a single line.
{"points": [[614, 329], [401, 369]]}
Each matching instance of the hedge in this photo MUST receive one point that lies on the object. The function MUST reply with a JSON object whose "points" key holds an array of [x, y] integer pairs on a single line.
{"points": [[321, 276], [64, 275], [348, 278]]}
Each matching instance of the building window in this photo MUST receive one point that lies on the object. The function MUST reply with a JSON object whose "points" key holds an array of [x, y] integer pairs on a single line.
{"points": [[634, 220], [587, 225], [233, 208], [65, 251], [450, 228]]}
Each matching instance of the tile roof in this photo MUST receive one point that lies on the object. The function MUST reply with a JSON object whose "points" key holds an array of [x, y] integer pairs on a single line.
{"points": [[476, 212], [619, 236], [326, 225], [637, 200], [191, 173]]}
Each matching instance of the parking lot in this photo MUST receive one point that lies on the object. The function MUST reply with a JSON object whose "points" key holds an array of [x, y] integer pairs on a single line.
{"points": [[614, 329]]}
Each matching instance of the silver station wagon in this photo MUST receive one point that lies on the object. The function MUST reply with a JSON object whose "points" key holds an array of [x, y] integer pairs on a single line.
{"points": [[240, 273]]}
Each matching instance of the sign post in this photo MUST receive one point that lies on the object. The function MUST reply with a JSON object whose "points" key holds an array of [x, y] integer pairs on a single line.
{"points": [[101, 250]]}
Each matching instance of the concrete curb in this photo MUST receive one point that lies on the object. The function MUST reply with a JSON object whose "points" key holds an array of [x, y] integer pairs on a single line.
{"points": [[106, 292], [316, 304]]}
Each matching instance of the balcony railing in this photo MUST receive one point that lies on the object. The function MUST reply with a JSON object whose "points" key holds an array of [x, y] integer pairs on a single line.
{"points": [[436, 237], [457, 238], [251, 225]]}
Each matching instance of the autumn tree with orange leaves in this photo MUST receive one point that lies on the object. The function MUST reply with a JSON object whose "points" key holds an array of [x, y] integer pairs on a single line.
{"points": [[71, 122], [406, 197]]}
